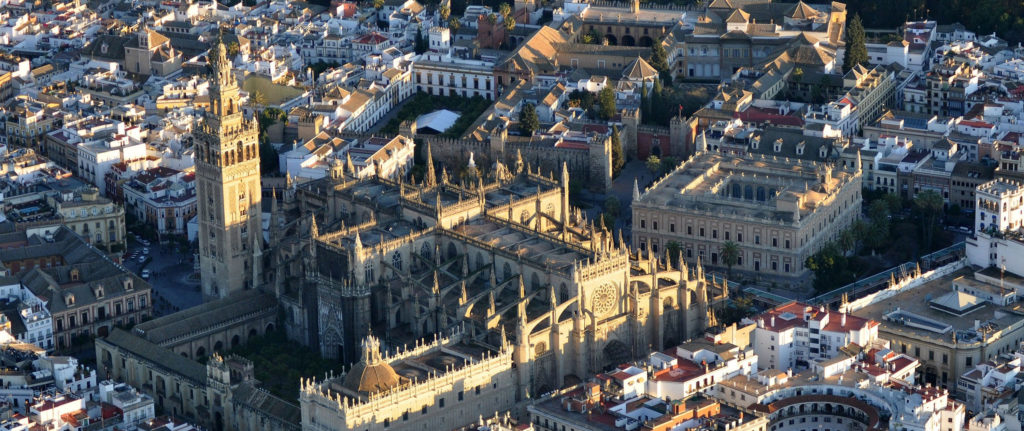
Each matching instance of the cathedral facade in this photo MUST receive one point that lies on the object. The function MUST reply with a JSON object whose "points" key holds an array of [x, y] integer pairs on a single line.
{"points": [[228, 188]]}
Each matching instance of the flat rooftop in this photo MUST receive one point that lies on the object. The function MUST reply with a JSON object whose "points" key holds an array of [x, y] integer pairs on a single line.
{"points": [[915, 304], [746, 187]]}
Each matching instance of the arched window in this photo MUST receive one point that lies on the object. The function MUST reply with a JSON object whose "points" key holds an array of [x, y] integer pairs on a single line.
{"points": [[396, 260]]}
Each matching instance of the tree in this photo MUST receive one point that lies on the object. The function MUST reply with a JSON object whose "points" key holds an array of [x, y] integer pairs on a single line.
{"points": [[232, 49], [268, 158], [657, 99], [445, 12], [378, 4], [612, 206], [618, 160], [257, 99], [454, 24], [505, 10], [730, 255], [668, 163], [419, 43], [929, 203], [659, 61], [492, 19], [856, 45], [606, 100], [675, 252], [654, 164], [528, 120], [644, 100]]}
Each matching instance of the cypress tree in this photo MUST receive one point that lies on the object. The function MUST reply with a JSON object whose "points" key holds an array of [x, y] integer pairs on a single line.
{"points": [[618, 160], [856, 47], [644, 100], [528, 121], [659, 61]]}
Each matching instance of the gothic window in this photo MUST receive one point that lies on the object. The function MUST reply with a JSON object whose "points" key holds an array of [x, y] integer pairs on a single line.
{"points": [[524, 216], [368, 271], [507, 272], [396, 260]]}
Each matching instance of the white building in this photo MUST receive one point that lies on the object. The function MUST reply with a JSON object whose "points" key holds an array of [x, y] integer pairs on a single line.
{"points": [[990, 381], [136, 407], [695, 366], [95, 160], [999, 213], [1000, 206], [793, 335], [440, 72]]}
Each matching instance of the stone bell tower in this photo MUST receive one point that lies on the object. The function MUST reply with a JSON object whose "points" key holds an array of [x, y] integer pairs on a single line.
{"points": [[227, 187]]}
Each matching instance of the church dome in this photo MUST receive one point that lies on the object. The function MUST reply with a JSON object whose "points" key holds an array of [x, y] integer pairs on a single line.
{"points": [[371, 375]]}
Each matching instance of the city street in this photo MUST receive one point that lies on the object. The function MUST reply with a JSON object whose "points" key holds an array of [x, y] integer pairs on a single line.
{"points": [[169, 277]]}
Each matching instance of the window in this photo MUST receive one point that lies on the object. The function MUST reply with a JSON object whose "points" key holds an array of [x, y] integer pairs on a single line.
{"points": [[702, 232], [739, 236], [654, 225], [757, 239], [787, 243], [643, 224], [671, 227], [775, 242], [714, 233], [689, 230]]}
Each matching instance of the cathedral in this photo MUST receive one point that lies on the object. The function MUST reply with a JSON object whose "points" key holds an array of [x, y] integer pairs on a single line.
{"points": [[503, 256]]}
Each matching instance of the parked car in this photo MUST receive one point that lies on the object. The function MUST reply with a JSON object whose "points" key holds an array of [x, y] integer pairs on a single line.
{"points": [[142, 258], [145, 250], [145, 274]]}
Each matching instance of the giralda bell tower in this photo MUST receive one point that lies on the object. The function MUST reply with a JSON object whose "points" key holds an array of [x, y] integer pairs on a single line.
{"points": [[228, 187]]}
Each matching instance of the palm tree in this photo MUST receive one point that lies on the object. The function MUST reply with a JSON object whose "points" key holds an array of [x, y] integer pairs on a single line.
{"points": [[929, 203], [454, 24], [445, 11], [258, 99], [730, 255]]}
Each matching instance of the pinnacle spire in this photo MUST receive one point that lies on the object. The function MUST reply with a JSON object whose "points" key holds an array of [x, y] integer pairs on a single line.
{"points": [[430, 180], [636, 190], [349, 166]]}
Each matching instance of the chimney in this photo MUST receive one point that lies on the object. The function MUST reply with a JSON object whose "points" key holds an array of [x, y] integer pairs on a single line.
{"points": [[773, 321], [842, 320]]}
